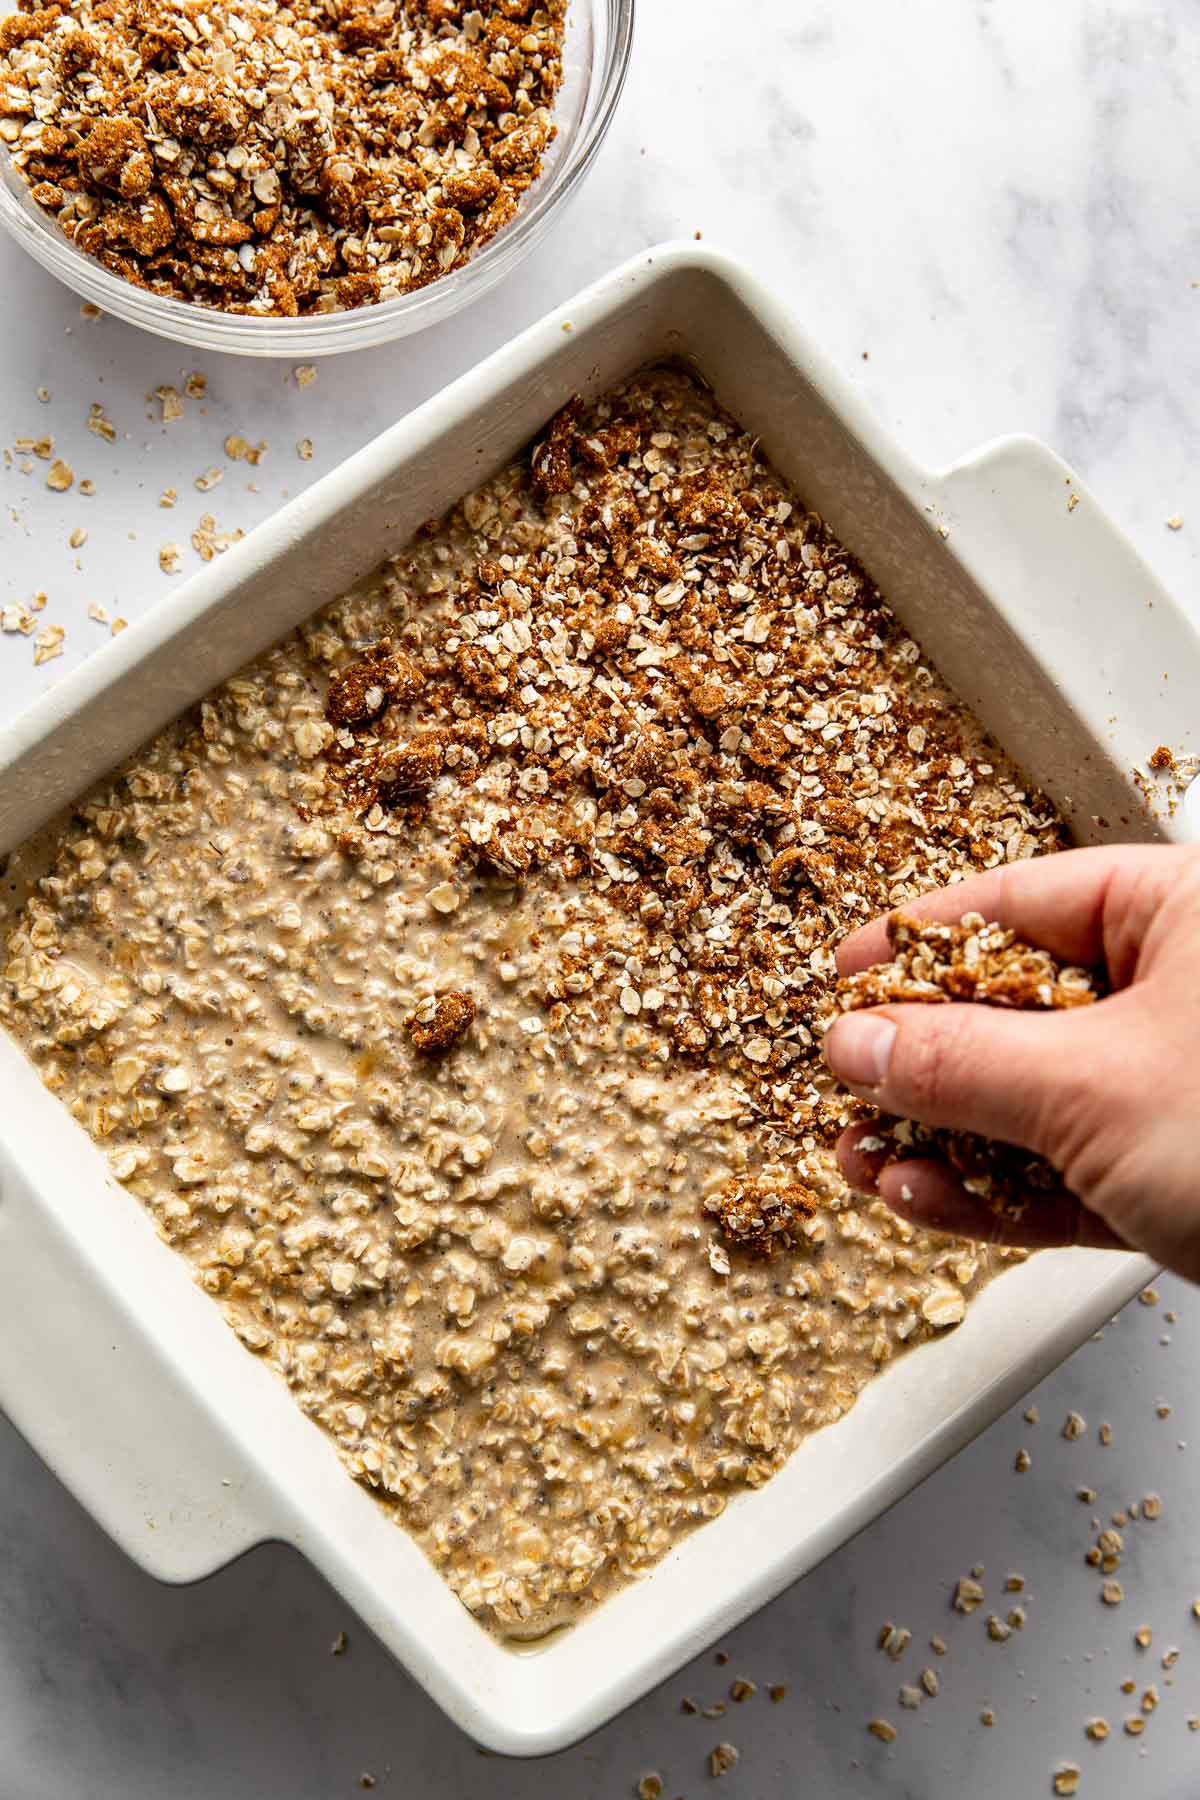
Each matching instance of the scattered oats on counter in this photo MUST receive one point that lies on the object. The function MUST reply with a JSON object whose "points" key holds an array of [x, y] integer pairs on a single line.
{"points": [[99, 423], [1066, 1779], [168, 497], [1175, 522], [968, 1594], [48, 643], [629, 722], [240, 449], [41, 447], [279, 158], [304, 449], [208, 541], [170, 558], [78, 538], [881, 1729], [208, 478], [17, 618], [60, 476]]}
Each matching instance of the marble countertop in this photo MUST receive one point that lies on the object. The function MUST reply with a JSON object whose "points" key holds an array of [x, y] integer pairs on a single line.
{"points": [[986, 213]]}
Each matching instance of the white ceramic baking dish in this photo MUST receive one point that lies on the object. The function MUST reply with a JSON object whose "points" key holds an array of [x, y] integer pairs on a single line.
{"points": [[125, 1377]]}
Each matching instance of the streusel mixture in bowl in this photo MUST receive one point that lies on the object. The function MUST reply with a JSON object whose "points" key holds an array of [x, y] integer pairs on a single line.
{"points": [[448, 986], [278, 177]]}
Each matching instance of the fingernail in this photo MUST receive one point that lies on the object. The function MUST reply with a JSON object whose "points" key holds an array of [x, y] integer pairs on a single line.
{"points": [[859, 1048]]}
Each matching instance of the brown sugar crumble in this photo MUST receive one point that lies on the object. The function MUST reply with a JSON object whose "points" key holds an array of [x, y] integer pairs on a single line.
{"points": [[984, 963], [438, 1023], [615, 754], [760, 1216], [280, 159]]}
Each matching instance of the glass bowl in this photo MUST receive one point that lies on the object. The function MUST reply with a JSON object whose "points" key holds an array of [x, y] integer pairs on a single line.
{"points": [[599, 34]]}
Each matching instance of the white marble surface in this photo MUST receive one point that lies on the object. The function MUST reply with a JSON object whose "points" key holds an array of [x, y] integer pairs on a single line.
{"points": [[996, 202]]}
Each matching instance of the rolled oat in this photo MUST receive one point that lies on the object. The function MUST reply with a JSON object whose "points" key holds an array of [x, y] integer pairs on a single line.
{"points": [[629, 721]]}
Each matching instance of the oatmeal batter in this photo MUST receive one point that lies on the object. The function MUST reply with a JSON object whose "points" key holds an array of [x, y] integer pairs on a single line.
{"points": [[448, 986]]}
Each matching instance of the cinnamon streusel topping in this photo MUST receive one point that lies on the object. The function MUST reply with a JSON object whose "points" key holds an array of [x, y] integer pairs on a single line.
{"points": [[979, 961]]}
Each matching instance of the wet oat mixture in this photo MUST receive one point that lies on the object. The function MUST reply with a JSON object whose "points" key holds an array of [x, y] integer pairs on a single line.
{"points": [[448, 986], [280, 156]]}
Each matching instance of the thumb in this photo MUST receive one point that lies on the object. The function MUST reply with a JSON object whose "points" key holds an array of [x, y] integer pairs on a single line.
{"points": [[1021, 1077]]}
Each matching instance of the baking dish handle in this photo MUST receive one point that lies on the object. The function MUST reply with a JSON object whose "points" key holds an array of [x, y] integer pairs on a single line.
{"points": [[82, 1381], [1081, 598]]}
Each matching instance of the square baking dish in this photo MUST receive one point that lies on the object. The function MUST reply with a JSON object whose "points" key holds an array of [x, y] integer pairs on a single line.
{"points": [[124, 1376]]}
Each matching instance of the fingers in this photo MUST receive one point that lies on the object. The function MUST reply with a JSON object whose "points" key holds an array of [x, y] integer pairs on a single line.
{"points": [[1058, 902], [931, 1196], [1002, 1074]]}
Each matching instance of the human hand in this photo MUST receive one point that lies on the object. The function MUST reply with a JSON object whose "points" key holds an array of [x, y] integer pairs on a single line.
{"points": [[1108, 1094]]}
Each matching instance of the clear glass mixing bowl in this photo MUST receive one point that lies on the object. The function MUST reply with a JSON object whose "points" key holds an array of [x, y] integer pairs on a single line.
{"points": [[596, 56]]}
